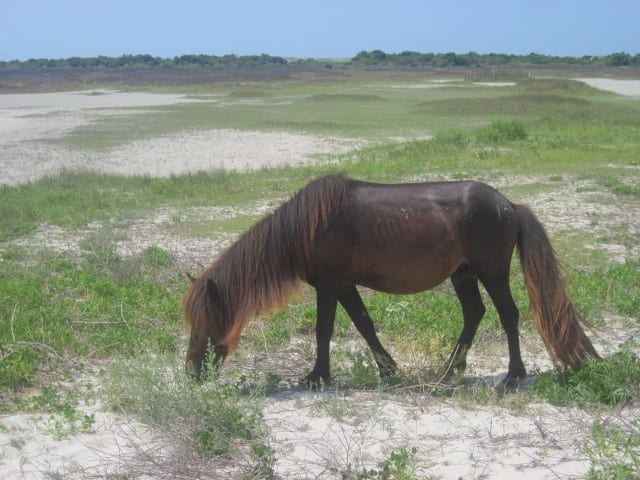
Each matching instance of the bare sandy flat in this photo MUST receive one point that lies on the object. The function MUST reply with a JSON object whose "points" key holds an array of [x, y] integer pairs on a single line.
{"points": [[630, 88], [27, 121]]}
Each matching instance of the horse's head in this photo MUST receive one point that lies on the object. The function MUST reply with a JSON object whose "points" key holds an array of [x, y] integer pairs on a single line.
{"points": [[206, 314]]}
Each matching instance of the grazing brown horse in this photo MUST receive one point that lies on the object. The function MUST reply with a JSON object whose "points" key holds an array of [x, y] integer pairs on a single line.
{"points": [[337, 233]]}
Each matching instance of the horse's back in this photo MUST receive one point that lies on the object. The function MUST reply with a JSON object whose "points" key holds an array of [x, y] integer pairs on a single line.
{"points": [[405, 238]]}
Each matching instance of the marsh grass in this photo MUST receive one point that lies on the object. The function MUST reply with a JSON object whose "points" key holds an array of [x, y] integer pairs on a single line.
{"points": [[519, 146]]}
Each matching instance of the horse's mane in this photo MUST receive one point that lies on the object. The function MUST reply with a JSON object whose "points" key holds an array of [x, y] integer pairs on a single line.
{"points": [[261, 269]]}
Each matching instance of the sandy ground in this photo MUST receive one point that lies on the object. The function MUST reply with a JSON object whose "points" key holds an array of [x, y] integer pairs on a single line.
{"points": [[29, 121], [452, 441], [629, 88]]}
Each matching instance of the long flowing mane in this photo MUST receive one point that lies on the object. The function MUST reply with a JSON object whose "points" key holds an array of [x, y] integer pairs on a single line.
{"points": [[261, 269]]}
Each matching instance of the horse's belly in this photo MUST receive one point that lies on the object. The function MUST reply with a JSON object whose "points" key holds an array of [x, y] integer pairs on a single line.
{"points": [[406, 275]]}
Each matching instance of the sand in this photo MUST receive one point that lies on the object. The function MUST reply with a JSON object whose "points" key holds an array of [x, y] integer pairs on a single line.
{"points": [[28, 123], [629, 88]]}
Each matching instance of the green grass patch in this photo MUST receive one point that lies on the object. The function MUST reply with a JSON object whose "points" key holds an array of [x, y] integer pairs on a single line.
{"points": [[232, 226], [613, 288], [614, 450], [524, 105], [101, 306], [76, 199], [620, 188], [500, 132], [610, 382], [342, 97]]}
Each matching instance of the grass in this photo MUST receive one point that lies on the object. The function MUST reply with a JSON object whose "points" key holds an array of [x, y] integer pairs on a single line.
{"points": [[374, 109], [611, 382], [205, 423], [614, 450], [100, 306], [60, 310], [400, 465]]}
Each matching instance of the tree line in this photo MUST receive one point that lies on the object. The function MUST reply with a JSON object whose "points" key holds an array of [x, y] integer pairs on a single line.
{"points": [[473, 59], [149, 61], [363, 58]]}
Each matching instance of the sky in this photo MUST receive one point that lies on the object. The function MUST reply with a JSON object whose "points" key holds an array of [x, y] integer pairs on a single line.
{"points": [[316, 29]]}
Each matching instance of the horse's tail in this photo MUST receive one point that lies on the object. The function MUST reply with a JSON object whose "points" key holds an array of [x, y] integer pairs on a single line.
{"points": [[555, 317]]}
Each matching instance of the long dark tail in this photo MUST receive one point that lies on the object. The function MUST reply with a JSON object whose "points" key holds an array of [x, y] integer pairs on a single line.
{"points": [[555, 317]]}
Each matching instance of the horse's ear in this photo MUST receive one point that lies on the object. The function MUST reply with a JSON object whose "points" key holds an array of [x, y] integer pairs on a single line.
{"points": [[190, 277], [213, 291]]}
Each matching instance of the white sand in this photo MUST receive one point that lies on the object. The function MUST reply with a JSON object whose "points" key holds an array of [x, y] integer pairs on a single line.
{"points": [[630, 88], [27, 121], [451, 442], [31, 450]]}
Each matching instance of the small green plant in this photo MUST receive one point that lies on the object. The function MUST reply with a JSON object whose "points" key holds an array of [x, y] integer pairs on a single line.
{"points": [[454, 138], [360, 368], [400, 465], [264, 459], [614, 451], [65, 416], [156, 257]]}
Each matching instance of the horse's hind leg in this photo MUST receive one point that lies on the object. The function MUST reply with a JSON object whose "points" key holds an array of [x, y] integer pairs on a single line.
{"points": [[352, 302], [498, 289], [465, 283]]}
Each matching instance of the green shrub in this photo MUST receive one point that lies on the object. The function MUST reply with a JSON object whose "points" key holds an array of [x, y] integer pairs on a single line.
{"points": [[500, 132]]}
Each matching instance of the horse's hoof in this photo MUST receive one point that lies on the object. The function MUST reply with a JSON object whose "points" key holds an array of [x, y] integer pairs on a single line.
{"points": [[389, 372], [509, 384], [314, 382]]}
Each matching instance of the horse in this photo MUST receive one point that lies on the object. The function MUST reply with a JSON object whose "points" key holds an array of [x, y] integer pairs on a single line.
{"points": [[338, 233]]}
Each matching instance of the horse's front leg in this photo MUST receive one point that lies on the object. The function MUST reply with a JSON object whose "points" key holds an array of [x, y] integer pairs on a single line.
{"points": [[326, 314]]}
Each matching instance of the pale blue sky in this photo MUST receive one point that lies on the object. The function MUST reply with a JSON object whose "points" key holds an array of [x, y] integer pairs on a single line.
{"points": [[321, 29]]}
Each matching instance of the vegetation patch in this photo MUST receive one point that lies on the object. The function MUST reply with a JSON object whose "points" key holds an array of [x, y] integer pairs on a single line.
{"points": [[520, 105], [611, 382], [103, 305], [201, 421], [500, 132], [614, 449], [343, 97], [621, 188]]}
